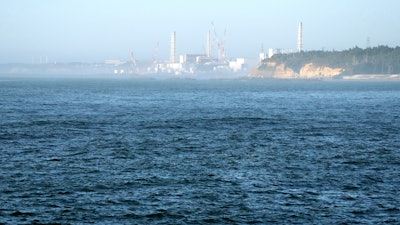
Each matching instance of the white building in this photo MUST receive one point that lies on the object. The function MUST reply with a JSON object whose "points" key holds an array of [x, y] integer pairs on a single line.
{"points": [[271, 52], [262, 56], [237, 65]]}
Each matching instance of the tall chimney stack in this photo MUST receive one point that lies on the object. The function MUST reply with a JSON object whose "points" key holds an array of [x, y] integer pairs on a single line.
{"points": [[300, 38], [173, 48]]}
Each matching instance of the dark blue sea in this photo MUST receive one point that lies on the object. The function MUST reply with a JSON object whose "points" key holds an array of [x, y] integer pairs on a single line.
{"points": [[137, 151]]}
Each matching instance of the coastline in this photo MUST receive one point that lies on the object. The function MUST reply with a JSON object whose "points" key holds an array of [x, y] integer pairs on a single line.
{"points": [[372, 77]]}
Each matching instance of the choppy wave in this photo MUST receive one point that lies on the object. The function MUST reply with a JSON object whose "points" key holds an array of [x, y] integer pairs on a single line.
{"points": [[195, 152]]}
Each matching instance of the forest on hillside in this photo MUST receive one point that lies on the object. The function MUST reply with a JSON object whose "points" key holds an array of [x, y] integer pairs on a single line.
{"points": [[375, 60]]}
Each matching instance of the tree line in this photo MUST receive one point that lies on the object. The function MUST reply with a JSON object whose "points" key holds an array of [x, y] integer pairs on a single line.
{"points": [[375, 60]]}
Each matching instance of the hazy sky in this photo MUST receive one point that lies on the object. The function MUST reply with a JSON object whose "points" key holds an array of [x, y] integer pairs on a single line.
{"points": [[95, 30]]}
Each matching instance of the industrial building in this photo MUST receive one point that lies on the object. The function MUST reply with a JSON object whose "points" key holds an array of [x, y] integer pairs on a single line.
{"points": [[189, 63]]}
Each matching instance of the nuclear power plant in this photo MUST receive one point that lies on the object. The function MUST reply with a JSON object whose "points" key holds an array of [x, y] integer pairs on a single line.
{"points": [[202, 63]]}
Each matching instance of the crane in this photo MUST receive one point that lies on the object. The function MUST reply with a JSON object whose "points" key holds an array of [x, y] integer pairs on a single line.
{"points": [[154, 57], [133, 63], [220, 44]]}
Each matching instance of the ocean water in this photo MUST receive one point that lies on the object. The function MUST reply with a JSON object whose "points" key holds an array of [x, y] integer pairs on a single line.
{"points": [[130, 151]]}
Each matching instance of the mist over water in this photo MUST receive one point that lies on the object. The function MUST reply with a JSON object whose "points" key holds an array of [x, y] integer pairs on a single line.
{"points": [[130, 151]]}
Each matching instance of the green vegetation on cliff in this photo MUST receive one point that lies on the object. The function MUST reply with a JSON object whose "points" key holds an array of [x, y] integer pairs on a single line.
{"points": [[376, 60]]}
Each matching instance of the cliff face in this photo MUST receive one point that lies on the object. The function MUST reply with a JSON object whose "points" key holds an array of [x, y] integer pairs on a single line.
{"points": [[308, 71], [282, 72], [311, 71]]}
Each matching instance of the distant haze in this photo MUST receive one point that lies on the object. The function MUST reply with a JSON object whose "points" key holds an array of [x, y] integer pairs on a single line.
{"points": [[95, 30]]}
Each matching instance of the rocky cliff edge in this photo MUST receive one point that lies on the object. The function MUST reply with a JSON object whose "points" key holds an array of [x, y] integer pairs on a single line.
{"points": [[308, 71]]}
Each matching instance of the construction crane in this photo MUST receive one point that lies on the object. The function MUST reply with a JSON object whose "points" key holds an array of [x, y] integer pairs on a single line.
{"points": [[220, 44], [134, 67], [154, 58]]}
